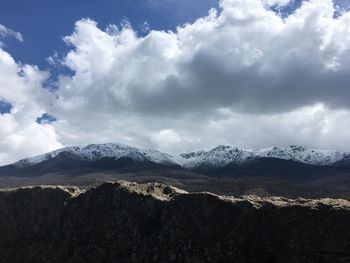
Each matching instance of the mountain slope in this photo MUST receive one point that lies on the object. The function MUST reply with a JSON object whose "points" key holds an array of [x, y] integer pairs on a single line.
{"points": [[222, 156], [78, 159], [221, 160], [94, 152]]}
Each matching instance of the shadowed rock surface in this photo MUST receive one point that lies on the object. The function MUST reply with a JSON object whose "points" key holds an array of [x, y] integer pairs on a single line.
{"points": [[129, 222]]}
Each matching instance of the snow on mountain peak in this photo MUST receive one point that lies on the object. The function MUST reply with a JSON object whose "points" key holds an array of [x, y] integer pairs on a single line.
{"points": [[93, 152], [217, 157], [301, 154], [223, 155]]}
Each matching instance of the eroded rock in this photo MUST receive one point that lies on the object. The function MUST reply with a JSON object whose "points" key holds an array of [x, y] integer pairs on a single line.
{"points": [[129, 222]]}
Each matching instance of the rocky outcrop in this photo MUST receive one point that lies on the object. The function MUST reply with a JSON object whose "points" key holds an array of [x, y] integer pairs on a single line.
{"points": [[129, 222]]}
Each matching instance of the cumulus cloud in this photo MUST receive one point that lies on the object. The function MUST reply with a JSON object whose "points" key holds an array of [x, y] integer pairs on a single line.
{"points": [[242, 75], [20, 135], [243, 57]]}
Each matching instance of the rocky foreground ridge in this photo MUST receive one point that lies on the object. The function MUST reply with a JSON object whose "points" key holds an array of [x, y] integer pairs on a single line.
{"points": [[129, 222]]}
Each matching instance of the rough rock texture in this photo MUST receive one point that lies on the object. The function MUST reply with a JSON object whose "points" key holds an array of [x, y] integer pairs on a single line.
{"points": [[129, 222]]}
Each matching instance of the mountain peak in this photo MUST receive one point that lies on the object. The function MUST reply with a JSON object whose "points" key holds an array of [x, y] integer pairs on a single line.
{"points": [[94, 152]]}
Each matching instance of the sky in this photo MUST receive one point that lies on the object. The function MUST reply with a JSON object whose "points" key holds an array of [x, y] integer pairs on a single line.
{"points": [[176, 76]]}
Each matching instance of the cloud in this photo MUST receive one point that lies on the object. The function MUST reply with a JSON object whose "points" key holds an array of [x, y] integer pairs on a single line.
{"points": [[4, 32], [243, 57], [270, 3], [21, 87], [246, 57], [242, 75], [314, 126]]}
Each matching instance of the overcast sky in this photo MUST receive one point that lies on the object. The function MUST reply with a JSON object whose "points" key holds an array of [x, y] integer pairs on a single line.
{"points": [[179, 77]]}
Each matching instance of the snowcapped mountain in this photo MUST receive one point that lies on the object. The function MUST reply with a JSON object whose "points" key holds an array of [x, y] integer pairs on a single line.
{"points": [[95, 163], [95, 152], [217, 157], [222, 155], [302, 154]]}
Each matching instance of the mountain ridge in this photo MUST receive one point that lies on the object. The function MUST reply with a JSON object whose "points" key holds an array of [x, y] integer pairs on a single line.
{"points": [[292, 163], [298, 171], [216, 157]]}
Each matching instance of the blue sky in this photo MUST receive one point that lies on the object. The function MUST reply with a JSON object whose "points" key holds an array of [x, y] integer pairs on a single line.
{"points": [[5, 107], [43, 23]]}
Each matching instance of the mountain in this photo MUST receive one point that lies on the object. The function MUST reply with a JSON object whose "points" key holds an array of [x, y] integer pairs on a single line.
{"points": [[153, 222], [95, 152], [291, 171], [217, 157], [222, 156], [292, 162], [91, 157]]}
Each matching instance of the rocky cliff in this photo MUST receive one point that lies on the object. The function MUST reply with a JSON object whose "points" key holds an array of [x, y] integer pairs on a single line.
{"points": [[129, 222]]}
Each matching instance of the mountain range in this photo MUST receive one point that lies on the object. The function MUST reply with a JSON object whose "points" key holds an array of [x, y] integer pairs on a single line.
{"points": [[291, 171], [221, 159]]}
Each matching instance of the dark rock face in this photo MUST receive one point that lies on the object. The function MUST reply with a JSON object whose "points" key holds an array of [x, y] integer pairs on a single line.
{"points": [[69, 163], [129, 222]]}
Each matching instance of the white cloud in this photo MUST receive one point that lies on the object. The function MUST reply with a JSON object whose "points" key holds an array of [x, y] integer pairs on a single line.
{"points": [[244, 58], [315, 126], [4, 32], [20, 135], [168, 140], [278, 2]]}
